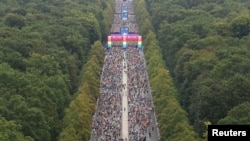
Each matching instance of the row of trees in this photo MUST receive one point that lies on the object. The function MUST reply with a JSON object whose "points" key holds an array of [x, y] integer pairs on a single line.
{"points": [[205, 44], [43, 46], [172, 119], [78, 119]]}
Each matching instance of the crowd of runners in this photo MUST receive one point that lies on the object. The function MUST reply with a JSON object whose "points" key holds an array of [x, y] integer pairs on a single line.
{"points": [[139, 99], [124, 76], [106, 124]]}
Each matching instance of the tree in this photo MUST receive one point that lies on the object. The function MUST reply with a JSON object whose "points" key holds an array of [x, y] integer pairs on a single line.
{"points": [[14, 20], [10, 130], [77, 119], [240, 26], [91, 24], [239, 114]]}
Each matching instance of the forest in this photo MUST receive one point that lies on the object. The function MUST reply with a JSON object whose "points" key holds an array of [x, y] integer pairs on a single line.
{"points": [[51, 56], [44, 45], [205, 46]]}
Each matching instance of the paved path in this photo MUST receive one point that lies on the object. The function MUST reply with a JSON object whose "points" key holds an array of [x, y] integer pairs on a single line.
{"points": [[125, 134]]}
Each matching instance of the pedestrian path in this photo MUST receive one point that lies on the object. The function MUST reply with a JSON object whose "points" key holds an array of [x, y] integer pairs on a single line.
{"points": [[125, 134]]}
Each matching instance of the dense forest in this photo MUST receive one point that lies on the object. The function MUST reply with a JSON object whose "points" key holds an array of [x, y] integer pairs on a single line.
{"points": [[44, 45], [205, 45]]}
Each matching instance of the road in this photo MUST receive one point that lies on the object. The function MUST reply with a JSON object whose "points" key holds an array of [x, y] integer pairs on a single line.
{"points": [[124, 133]]}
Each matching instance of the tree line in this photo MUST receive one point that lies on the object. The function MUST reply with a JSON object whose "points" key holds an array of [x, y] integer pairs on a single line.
{"points": [[78, 118], [205, 45], [172, 119]]}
